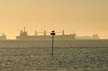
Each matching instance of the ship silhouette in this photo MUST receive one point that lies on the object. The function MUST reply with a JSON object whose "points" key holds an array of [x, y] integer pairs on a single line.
{"points": [[63, 40]]}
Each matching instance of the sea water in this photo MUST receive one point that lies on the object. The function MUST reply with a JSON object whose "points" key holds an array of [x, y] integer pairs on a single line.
{"points": [[64, 59]]}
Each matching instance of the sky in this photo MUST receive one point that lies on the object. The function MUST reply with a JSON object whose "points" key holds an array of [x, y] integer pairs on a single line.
{"points": [[83, 17]]}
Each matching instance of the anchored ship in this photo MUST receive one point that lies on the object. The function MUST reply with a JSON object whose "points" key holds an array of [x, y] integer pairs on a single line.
{"points": [[72, 40], [24, 36]]}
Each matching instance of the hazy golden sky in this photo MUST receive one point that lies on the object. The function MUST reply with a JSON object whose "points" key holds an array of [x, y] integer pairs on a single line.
{"points": [[84, 17]]}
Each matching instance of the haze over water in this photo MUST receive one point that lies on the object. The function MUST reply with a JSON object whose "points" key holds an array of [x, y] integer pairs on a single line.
{"points": [[83, 17]]}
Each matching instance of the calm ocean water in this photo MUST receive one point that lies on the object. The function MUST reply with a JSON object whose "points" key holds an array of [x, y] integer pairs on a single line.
{"points": [[64, 59]]}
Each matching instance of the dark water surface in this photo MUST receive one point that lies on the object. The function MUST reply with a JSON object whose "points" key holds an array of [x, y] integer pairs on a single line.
{"points": [[64, 59]]}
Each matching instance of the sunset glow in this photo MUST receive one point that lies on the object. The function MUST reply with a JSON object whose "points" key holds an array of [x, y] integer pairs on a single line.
{"points": [[83, 17]]}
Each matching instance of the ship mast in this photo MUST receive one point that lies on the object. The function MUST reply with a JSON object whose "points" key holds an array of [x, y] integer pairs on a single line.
{"points": [[24, 28]]}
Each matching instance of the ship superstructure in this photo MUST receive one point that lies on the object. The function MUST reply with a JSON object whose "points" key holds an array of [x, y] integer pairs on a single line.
{"points": [[3, 36]]}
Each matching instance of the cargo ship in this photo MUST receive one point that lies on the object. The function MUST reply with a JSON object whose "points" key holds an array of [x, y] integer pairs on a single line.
{"points": [[72, 40]]}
